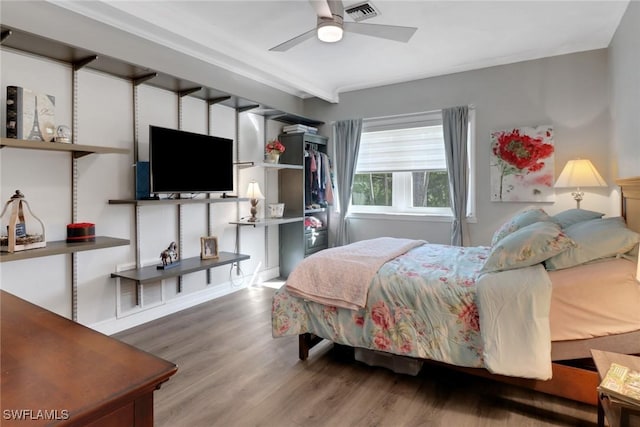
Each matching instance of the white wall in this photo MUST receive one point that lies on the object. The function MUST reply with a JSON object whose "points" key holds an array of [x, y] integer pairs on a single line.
{"points": [[569, 92], [624, 59], [105, 118]]}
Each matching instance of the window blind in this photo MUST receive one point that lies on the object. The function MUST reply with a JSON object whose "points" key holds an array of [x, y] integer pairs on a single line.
{"points": [[402, 150]]}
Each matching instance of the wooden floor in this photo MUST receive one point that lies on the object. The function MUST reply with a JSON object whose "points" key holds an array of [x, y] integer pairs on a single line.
{"points": [[231, 372]]}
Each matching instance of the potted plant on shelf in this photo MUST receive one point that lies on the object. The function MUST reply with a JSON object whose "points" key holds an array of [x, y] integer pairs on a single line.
{"points": [[274, 149]]}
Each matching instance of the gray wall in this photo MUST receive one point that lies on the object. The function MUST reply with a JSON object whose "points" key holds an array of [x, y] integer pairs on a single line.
{"points": [[570, 92], [624, 63]]}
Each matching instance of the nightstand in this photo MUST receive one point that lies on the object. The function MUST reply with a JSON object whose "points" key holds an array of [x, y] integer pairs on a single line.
{"points": [[618, 414]]}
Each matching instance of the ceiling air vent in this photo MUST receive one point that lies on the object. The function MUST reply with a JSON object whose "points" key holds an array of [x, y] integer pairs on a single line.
{"points": [[361, 11]]}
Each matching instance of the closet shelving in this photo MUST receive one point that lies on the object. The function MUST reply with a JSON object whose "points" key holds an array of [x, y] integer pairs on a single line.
{"points": [[296, 240]]}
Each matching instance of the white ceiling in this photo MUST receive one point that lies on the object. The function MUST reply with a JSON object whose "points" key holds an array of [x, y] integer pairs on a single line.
{"points": [[452, 36]]}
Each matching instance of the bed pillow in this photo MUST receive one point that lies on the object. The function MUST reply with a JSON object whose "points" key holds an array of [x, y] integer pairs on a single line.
{"points": [[519, 220], [595, 239], [574, 216], [527, 246]]}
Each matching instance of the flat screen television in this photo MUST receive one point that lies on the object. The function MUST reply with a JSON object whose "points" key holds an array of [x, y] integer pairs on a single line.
{"points": [[186, 162]]}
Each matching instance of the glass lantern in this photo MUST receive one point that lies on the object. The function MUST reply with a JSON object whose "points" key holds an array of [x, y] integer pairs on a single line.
{"points": [[21, 229]]}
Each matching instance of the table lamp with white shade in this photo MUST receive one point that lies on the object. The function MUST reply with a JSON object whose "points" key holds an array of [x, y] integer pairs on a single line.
{"points": [[579, 173], [254, 194]]}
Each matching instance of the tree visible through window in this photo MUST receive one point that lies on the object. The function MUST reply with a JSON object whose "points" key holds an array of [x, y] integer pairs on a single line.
{"points": [[431, 189], [373, 189]]}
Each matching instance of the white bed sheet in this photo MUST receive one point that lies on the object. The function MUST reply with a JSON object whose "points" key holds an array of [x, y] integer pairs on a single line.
{"points": [[594, 300]]}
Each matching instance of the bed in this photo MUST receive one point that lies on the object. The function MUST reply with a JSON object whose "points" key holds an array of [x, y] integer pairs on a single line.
{"points": [[547, 290]]}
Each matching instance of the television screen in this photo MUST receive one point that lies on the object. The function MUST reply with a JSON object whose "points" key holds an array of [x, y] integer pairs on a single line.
{"points": [[186, 162]]}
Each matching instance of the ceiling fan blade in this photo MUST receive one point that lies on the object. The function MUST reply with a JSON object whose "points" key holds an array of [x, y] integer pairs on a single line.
{"points": [[391, 32], [294, 41], [321, 7], [336, 7]]}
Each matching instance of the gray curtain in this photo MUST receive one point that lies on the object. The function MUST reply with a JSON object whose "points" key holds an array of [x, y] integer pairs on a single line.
{"points": [[455, 122], [346, 143]]}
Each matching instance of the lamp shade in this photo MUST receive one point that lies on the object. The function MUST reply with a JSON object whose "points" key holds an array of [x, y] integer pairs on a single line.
{"points": [[580, 173], [253, 191]]}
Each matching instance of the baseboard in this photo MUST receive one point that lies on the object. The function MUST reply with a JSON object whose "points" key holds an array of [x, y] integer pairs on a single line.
{"points": [[268, 274], [115, 325]]}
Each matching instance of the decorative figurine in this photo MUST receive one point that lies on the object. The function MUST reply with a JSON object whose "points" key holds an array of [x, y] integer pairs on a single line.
{"points": [[169, 257], [63, 134]]}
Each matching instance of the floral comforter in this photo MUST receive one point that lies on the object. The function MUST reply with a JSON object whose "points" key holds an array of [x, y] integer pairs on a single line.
{"points": [[424, 304]]}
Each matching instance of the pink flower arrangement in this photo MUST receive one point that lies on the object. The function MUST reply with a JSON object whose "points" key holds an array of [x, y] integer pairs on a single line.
{"points": [[275, 146]]}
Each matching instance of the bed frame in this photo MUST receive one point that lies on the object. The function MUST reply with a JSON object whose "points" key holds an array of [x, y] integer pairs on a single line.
{"points": [[569, 381]]}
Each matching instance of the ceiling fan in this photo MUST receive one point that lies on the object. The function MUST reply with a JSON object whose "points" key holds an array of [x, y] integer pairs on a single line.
{"points": [[331, 25]]}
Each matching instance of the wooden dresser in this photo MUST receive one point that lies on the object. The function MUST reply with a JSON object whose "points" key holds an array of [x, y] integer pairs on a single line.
{"points": [[57, 372]]}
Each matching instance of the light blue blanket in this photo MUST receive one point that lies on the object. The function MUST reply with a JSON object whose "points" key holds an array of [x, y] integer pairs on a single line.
{"points": [[433, 303]]}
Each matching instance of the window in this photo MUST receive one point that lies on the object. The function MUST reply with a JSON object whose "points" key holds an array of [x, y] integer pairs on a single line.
{"points": [[402, 168]]}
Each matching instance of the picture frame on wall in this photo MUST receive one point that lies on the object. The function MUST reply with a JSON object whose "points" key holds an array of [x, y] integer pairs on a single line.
{"points": [[522, 164], [209, 247]]}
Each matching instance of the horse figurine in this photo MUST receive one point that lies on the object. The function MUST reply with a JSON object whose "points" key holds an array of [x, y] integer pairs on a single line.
{"points": [[169, 255]]}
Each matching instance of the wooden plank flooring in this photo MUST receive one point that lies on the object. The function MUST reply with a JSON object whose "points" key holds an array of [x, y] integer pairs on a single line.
{"points": [[231, 372]]}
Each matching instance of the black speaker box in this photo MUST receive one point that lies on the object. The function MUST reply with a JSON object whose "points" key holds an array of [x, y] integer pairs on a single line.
{"points": [[143, 181]]}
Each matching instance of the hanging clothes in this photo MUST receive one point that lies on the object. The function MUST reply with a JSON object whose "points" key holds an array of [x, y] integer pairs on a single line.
{"points": [[318, 191], [308, 200], [328, 183]]}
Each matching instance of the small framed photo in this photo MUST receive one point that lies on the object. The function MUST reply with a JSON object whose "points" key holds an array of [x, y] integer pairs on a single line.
{"points": [[208, 247]]}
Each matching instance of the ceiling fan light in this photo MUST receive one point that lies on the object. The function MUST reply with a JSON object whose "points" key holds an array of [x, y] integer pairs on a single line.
{"points": [[330, 32]]}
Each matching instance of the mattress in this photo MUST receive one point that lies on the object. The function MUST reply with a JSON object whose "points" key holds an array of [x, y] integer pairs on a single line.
{"points": [[594, 300]]}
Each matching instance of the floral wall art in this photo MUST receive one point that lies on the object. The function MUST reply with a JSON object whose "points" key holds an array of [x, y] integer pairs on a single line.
{"points": [[522, 168]]}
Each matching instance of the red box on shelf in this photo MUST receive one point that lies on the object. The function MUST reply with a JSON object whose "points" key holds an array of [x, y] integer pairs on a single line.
{"points": [[81, 232]]}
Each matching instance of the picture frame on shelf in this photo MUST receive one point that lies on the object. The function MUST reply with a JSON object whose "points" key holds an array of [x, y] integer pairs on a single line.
{"points": [[209, 247]]}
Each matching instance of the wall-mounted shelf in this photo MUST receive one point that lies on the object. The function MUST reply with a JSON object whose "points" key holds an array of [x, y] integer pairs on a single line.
{"points": [[186, 266], [78, 150], [265, 222], [280, 166], [152, 202], [62, 247], [316, 210], [58, 51], [244, 165]]}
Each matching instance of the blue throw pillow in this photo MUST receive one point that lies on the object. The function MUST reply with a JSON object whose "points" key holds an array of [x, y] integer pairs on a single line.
{"points": [[595, 239], [574, 216], [527, 246], [519, 220]]}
